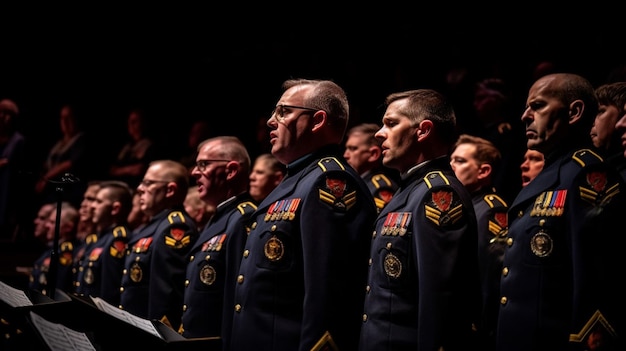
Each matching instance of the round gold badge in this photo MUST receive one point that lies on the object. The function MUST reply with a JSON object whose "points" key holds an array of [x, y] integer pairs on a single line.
{"points": [[541, 244], [393, 266], [136, 274], [207, 275], [274, 249]]}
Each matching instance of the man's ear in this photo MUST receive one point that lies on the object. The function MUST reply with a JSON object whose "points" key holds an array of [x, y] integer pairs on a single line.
{"points": [[484, 171], [320, 118], [576, 110], [375, 153], [424, 129]]}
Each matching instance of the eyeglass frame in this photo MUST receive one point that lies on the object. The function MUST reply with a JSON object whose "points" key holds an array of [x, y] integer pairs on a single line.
{"points": [[207, 163], [280, 116]]}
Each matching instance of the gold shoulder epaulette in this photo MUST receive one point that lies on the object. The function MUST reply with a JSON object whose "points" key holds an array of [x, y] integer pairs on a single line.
{"points": [[494, 200], [119, 232], [246, 207], [176, 217], [586, 157], [330, 164], [435, 178]]}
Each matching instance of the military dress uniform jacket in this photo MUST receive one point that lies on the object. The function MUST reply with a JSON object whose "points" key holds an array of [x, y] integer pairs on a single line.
{"points": [[153, 280], [491, 216], [101, 270], [423, 289], [305, 261], [82, 247], [382, 183], [563, 265], [40, 276], [209, 266]]}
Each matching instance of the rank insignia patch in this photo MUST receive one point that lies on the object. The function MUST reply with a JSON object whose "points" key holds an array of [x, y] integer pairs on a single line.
{"points": [[335, 195], [177, 238], [597, 332], [440, 209]]}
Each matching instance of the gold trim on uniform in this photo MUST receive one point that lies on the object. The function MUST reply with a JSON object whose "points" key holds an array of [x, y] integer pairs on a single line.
{"points": [[541, 244], [89, 277], [207, 274], [274, 249], [596, 324], [136, 274], [393, 266]]}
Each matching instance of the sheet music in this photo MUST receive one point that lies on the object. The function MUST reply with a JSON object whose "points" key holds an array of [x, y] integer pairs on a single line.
{"points": [[13, 297], [59, 337], [126, 316]]}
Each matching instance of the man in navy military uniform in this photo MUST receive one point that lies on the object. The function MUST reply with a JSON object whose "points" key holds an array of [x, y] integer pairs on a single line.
{"points": [[221, 172], [423, 288], [364, 153], [561, 278], [474, 161], [153, 280], [100, 273], [300, 284]]}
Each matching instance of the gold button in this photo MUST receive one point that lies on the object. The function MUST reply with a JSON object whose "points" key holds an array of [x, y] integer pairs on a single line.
{"points": [[273, 228], [246, 253], [184, 308], [125, 271], [121, 289], [373, 234], [240, 278], [207, 257], [364, 317], [509, 241], [237, 308], [503, 300], [253, 225], [367, 289], [370, 261], [505, 271], [186, 282], [191, 258], [388, 245], [520, 214]]}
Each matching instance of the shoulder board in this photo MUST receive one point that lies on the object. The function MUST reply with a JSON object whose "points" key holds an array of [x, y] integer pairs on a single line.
{"points": [[91, 238], [246, 207], [585, 157], [435, 179], [176, 217], [381, 180], [494, 200], [119, 232], [330, 164], [66, 246]]}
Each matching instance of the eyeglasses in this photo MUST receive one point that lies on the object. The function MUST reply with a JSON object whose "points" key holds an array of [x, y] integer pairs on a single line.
{"points": [[279, 110], [201, 165], [146, 183]]}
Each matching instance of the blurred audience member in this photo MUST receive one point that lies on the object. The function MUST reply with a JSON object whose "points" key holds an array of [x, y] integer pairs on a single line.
{"points": [[132, 160], [12, 161], [266, 174], [69, 155]]}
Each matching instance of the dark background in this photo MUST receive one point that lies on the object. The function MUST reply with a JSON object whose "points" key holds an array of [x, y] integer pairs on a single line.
{"points": [[225, 62]]}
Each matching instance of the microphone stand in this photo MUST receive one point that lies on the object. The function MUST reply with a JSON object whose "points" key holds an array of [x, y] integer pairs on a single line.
{"points": [[60, 185]]}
